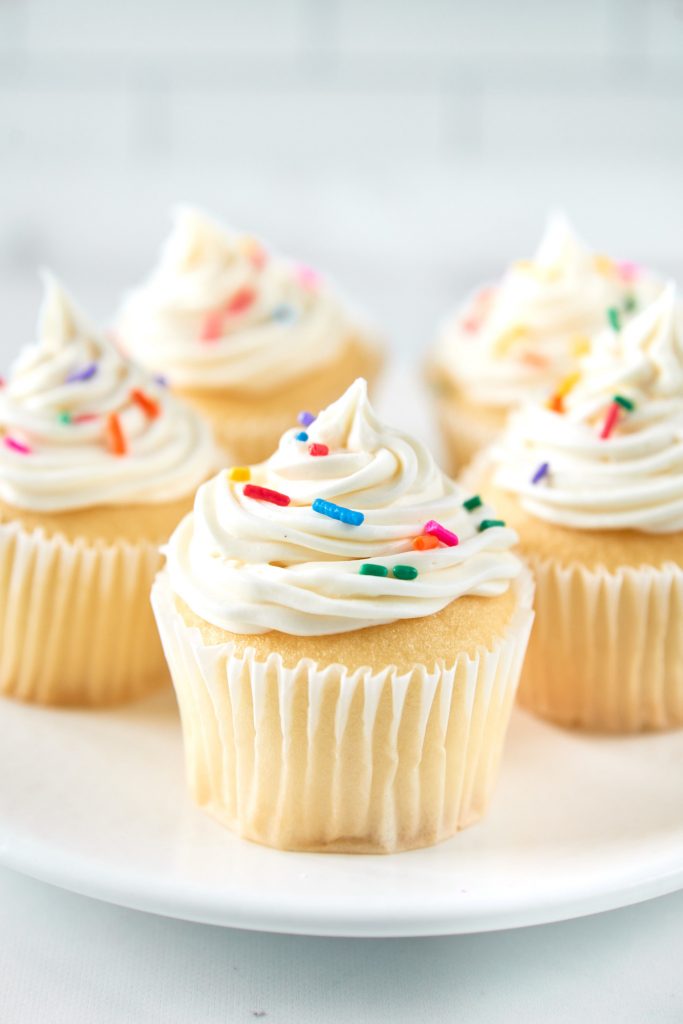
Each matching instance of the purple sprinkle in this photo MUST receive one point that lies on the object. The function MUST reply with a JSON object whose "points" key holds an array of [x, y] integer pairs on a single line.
{"points": [[161, 380], [85, 374], [540, 473], [305, 418]]}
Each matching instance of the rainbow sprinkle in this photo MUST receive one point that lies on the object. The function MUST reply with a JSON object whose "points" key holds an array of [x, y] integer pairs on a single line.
{"points": [[308, 277], [618, 405], [212, 328], [630, 304], [542, 471], [487, 524], [265, 494], [305, 418], [318, 449], [84, 417], [556, 403], [149, 406], [435, 529], [343, 515], [85, 374], [302, 436], [614, 318], [17, 446], [240, 474], [161, 380], [371, 569], [116, 440], [472, 503], [628, 271], [405, 572], [64, 417], [425, 542], [625, 403], [284, 313], [240, 301], [568, 384]]}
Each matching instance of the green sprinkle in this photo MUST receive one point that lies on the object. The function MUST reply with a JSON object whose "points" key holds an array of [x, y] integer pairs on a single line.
{"points": [[486, 524], [64, 417], [613, 317], [405, 572], [630, 304], [624, 402], [472, 503], [369, 569]]}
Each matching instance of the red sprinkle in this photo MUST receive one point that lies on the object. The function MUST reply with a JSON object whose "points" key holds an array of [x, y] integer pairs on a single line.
{"points": [[148, 405], [318, 449], [2, 382], [212, 328], [265, 494], [84, 417], [241, 300], [116, 440], [610, 420]]}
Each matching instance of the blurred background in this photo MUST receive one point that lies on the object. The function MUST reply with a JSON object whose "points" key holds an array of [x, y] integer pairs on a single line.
{"points": [[408, 147]]}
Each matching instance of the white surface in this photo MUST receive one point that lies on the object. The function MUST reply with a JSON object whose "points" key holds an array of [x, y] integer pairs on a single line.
{"points": [[579, 824]]}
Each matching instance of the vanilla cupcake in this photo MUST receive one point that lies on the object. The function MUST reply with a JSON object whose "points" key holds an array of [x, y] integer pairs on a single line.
{"points": [[98, 464], [246, 337], [516, 341], [596, 495], [345, 631]]}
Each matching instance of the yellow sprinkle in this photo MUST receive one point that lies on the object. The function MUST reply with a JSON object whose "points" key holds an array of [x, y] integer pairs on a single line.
{"points": [[603, 264], [581, 346], [566, 385], [240, 473], [508, 338]]}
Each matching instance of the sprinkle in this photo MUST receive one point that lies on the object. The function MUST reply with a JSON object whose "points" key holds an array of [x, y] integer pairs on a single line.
{"points": [[241, 300], [85, 374], [581, 346], [344, 515], [610, 420], [628, 271], [2, 382], [509, 338], [370, 569], [17, 446], [568, 384], [147, 404], [116, 440], [405, 572], [486, 524], [630, 304], [302, 436], [308, 277], [212, 328], [265, 494], [533, 359], [84, 417], [425, 542], [318, 449], [240, 474], [161, 380], [254, 251], [603, 264], [471, 324], [284, 312], [64, 417], [614, 319], [305, 419], [556, 403], [441, 533], [625, 403], [540, 473], [472, 503]]}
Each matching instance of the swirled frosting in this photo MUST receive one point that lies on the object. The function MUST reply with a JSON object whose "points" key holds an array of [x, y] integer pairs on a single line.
{"points": [[80, 426], [512, 342], [220, 312], [249, 566], [615, 456]]}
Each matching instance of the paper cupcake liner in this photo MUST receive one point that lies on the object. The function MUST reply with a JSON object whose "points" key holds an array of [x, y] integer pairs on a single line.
{"points": [[328, 759], [606, 650], [75, 623], [464, 434]]}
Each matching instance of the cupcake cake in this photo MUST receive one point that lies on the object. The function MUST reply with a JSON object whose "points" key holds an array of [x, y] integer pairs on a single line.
{"points": [[595, 492], [244, 336], [345, 629], [516, 341], [98, 464]]}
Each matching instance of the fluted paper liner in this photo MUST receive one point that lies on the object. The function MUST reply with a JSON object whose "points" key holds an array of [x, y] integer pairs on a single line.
{"points": [[75, 623], [606, 650], [311, 758]]}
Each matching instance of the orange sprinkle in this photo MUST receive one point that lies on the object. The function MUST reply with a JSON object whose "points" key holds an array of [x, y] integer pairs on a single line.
{"points": [[568, 384], [148, 405], [556, 403], [424, 542], [603, 264], [534, 359], [254, 251], [116, 441]]}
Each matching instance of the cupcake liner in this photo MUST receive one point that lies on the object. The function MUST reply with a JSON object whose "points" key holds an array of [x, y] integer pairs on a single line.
{"points": [[606, 651], [311, 758], [464, 433], [75, 623]]}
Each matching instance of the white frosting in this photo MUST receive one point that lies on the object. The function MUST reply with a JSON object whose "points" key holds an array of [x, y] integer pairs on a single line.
{"points": [[292, 325], [513, 342], [69, 464], [249, 566], [633, 479]]}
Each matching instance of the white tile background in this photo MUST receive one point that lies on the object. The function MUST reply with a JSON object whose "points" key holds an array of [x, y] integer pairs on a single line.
{"points": [[410, 147]]}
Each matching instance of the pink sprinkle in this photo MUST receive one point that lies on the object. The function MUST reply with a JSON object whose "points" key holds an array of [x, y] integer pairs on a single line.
{"points": [[2, 382], [17, 446], [84, 417], [610, 420], [629, 271], [441, 533], [471, 324], [212, 328], [308, 277]]}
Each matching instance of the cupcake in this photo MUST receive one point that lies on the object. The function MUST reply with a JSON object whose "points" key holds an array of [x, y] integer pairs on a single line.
{"points": [[246, 337], [595, 493], [345, 630], [515, 341], [98, 464]]}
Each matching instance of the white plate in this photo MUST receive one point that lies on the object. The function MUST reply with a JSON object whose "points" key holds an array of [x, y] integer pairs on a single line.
{"points": [[95, 802]]}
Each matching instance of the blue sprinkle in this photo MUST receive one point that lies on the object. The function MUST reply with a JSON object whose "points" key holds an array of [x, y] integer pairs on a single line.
{"points": [[343, 515], [85, 374], [302, 436], [284, 312], [305, 418]]}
